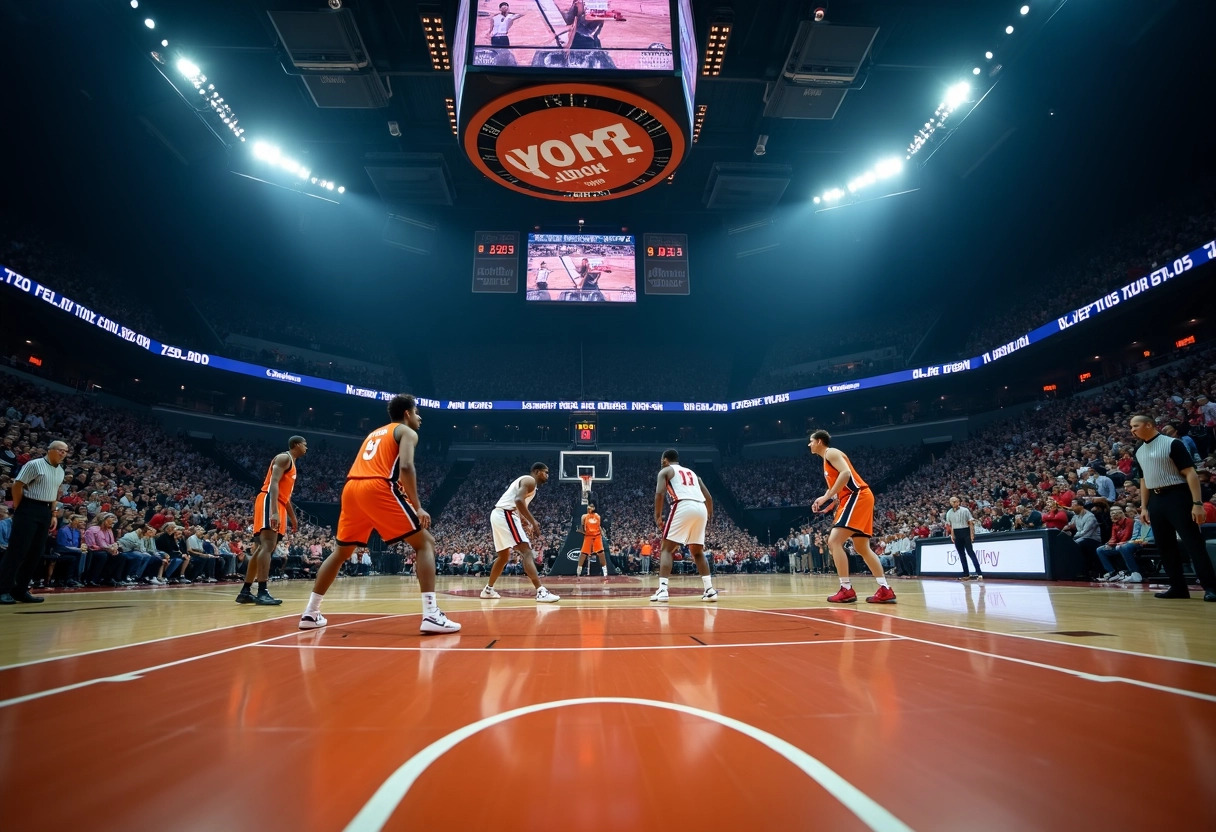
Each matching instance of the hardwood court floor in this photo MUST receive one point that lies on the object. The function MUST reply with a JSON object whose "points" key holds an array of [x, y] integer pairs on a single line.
{"points": [[1002, 706]]}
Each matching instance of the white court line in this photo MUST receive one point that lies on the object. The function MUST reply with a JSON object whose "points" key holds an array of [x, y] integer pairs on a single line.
{"points": [[492, 650], [1080, 674], [139, 643], [134, 675], [380, 807], [1041, 640]]}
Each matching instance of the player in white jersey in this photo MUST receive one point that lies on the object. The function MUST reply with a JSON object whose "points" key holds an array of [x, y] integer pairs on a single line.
{"points": [[512, 522], [691, 508]]}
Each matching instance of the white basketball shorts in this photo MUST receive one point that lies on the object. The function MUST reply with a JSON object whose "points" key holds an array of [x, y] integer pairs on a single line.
{"points": [[686, 523], [508, 529]]}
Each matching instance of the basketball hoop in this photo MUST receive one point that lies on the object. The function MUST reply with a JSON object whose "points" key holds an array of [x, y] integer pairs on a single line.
{"points": [[585, 479]]}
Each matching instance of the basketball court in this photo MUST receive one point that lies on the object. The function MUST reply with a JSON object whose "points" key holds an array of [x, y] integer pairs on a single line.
{"points": [[1010, 704]]}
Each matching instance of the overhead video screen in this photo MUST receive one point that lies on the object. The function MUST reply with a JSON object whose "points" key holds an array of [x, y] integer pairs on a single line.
{"points": [[582, 268], [574, 34]]}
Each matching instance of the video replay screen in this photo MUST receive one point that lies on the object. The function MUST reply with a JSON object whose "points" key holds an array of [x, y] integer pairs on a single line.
{"points": [[582, 268], [635, 35]]}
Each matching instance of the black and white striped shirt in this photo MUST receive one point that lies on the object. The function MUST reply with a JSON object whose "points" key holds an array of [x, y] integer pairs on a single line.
{"points": [[42, 480], [1161, 459]]}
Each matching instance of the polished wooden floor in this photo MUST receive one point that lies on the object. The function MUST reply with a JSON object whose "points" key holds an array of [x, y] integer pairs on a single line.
{"points": [[1006, 705]]}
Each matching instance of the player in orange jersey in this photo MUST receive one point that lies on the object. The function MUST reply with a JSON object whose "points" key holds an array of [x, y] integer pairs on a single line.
{"points": [[593, 541], [854, 503], [272, 511], [381, 495]]}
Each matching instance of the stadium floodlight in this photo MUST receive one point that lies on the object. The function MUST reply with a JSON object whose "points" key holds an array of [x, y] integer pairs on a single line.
{"points": [[150, 23], [889, 167], [135, 4], [988, 55], [188, 68], [164, 42], [976, 70], [1024, 10], [329, 186], [816, 200], [1009, 30], [957, 94], [341, 189]]}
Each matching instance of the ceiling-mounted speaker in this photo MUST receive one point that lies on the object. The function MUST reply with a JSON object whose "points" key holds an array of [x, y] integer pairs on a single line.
{"points": [[326, 50]]}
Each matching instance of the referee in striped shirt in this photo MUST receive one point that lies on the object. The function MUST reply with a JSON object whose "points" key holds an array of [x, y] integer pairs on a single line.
{"points": [[35, 497], [1170, 499]]}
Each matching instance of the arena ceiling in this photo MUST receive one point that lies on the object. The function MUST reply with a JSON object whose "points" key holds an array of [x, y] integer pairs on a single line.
{"points": [[1091, 111]]}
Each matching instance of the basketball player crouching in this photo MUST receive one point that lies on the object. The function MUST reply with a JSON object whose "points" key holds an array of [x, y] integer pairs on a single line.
{"points": [[512, 521], [691, 509]]}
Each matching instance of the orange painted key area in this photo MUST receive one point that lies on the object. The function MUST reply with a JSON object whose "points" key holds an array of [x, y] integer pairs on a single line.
{"points": [[613, 715]]}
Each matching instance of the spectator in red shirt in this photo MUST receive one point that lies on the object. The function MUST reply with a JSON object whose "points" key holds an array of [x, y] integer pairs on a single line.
{"points": [[1120, 527], [1054, 517]]}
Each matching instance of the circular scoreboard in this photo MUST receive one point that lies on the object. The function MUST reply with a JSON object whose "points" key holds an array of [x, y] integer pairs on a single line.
{"points": [[579, 101]]}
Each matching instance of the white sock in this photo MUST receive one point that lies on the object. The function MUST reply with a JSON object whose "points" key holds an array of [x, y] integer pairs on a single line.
{"points": [[882, 580], [489, 586], [428, 603], [708, 580], [605, 571], [662, 584], [314, 604], [579, 573], [846, 583]]}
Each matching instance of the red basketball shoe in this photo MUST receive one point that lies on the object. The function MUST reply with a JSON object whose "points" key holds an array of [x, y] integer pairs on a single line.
{"points": [[845, 595], [885, 595]]}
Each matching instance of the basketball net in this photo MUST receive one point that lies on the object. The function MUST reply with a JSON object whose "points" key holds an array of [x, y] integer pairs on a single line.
{"points": [[586, 482]]}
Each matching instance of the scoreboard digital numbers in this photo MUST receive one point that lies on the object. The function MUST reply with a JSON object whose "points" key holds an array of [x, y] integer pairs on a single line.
{"points": [[496, 261], [583, 426], [665, 264]]}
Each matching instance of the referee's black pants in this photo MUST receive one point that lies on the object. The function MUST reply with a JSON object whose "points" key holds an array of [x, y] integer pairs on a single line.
{"points": [[1170, 512], [31, 528], [962, 544]]}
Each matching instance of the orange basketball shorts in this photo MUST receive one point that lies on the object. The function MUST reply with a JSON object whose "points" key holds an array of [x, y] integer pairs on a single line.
{"points": [[263, 510], [593, 543], [374, 505], [857, 513]]}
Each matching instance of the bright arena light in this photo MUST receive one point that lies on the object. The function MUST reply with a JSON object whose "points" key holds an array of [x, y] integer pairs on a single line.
{"points": [[988, 55], [816, 200], [975, 70], [1024, 10], [888, 167], [150, 23], [957, 94], [135, 4], [188, 68], [341, 189], [1009, 30]]}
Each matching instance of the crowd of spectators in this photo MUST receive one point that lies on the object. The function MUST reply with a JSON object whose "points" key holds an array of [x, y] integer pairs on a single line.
{"points": [[146, 507], [795, 481], [1014, 307]]}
